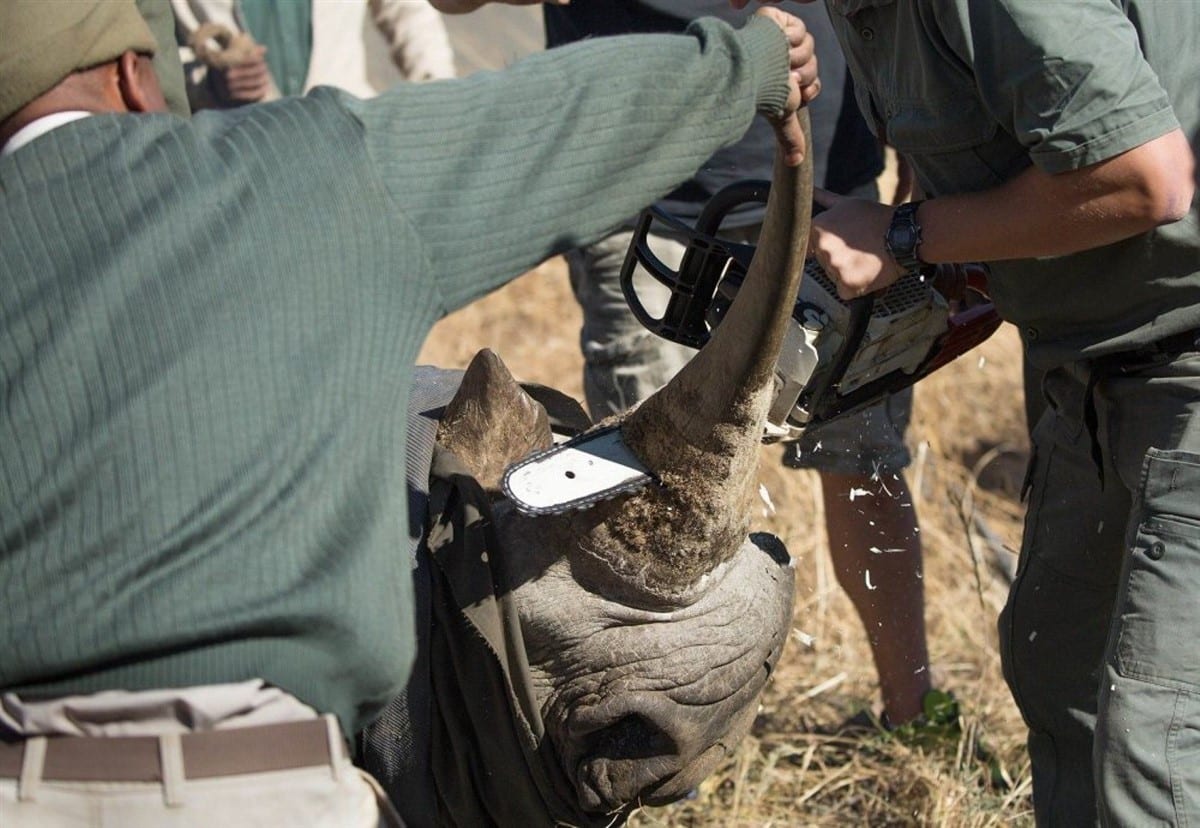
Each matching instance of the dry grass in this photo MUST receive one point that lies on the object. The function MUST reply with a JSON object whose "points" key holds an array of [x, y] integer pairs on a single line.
{"points": [[970, 447]]}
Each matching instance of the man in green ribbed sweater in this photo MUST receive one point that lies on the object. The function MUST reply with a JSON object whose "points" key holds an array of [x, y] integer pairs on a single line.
{"points": [[208, 331]]}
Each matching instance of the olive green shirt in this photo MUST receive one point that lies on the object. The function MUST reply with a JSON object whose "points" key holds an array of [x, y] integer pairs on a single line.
{"points": [[974, 93]]}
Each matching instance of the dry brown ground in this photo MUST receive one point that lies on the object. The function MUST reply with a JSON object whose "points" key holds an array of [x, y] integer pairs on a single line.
{"points": [[969, 446]]}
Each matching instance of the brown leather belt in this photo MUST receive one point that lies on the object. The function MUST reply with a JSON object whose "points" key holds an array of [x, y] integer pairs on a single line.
{"points": [[212, 753]]}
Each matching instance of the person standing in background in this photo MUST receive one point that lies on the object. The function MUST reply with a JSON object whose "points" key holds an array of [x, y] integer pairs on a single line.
{"points": [[361, 47]]}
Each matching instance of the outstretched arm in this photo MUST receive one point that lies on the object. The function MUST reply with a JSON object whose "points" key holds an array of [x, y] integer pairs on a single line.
{"points": [[1034, 214], [465, 6], [499, 171]]}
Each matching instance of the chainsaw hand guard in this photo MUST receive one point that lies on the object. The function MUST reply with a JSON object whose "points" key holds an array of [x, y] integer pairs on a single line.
{"points": [[839, 356]]}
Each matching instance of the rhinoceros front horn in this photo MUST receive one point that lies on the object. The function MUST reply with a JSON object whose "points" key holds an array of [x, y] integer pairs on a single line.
{"points": [[701, 433]]}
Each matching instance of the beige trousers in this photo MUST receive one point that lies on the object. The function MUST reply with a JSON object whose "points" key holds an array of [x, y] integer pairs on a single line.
{"points": [[330, 795], [321, 797]]}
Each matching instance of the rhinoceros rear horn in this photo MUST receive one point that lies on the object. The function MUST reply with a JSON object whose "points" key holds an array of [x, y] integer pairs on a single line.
{"points": [[701, 433], [491, 421]]}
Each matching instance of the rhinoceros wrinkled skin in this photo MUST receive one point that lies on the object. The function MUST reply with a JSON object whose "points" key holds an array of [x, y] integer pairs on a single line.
{"points": [[648, 624], [643, 703]]}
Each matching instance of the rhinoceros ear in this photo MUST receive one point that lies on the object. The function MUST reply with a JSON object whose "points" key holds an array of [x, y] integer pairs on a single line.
{"points": [[491, 422]]}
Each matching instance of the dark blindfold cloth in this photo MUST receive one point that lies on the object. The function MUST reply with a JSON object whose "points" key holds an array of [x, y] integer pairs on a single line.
{"points": [[491, 761]]}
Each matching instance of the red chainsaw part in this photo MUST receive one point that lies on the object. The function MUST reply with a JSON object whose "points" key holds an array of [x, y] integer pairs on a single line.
{"points": [[964, 331], [965, 285]]}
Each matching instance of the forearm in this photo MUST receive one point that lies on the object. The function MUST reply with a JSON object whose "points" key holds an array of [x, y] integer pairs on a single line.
{"points": [[416, 38], [466, 6], [1037, 214], [457, 6]]}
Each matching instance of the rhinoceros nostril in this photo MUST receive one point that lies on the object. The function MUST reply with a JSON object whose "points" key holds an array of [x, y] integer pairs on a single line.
{"points": [[625, 762], [631, 737], [771, 545]]}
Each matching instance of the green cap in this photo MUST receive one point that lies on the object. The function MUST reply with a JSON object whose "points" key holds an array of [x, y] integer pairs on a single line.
{"points": [[44, 41]]}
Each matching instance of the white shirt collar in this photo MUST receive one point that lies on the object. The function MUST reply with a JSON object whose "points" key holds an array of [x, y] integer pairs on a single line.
{"points": [[38, 128]]}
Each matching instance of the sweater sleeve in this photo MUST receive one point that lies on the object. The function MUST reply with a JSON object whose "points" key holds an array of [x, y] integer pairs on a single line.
{"points": [[499, 171]]}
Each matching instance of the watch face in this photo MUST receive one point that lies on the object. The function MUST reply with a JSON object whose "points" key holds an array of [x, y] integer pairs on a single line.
{"points": [[904, 236], [902, 239]]}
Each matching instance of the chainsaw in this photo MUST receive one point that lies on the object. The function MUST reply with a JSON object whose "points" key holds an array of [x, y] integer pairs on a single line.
{"points": [[838, 356]]}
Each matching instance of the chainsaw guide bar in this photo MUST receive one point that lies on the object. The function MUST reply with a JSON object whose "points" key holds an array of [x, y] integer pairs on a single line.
{"points": [[587, 469]]}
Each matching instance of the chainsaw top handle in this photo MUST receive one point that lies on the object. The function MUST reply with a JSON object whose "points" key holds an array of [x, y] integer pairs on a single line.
{"points": [[706, 259]]}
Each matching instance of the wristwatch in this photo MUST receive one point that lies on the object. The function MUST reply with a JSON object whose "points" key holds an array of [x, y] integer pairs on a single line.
{"points": [[903, 237]]}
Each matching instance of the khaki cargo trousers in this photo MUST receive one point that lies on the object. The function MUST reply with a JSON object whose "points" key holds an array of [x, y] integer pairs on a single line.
{"points": [[1100, 638]]}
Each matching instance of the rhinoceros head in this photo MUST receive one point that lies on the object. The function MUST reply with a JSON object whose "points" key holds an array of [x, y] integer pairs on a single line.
{"points": [[652, 621]]}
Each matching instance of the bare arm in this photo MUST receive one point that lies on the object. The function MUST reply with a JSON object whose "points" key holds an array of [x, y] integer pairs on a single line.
{"points": [[1034, 214], [466, 6], [416, 38], [1038, 214]]}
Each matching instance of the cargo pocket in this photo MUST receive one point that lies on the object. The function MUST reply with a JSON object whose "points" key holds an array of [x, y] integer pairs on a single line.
{"points": [[1158, 625]]}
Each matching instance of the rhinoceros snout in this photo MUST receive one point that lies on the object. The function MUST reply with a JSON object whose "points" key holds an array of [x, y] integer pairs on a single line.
{"points": [[646, 704]]}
